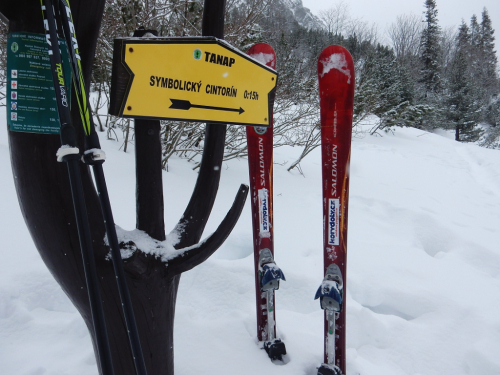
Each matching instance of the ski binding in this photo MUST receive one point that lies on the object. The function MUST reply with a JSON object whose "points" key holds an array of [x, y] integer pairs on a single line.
{"points": [[275, 349], [329, 292], [330, 296], [270, 276], [270, 273], [325, 369]]}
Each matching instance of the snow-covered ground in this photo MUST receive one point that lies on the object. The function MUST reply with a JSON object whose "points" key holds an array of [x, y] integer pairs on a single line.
{"points": [[423, 287]]}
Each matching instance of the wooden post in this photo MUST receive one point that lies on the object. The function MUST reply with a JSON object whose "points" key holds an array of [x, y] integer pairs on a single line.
{"points": [[148, 172]]}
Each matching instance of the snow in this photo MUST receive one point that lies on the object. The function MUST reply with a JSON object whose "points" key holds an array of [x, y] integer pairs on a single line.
{"points": [[161, 249], [336, 61], [258, 59], [423, 272], [263, 58], [66, 150]]}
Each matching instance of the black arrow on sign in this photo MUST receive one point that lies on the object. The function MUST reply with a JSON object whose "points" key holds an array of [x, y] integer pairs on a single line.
{"points": [[186, 105]]}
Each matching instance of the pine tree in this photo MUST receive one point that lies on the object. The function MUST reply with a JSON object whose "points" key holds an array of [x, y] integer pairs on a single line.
{"points": [[483, 66], [474, 54], [463, 106], [474, 31], [387, 77], [430, 52], [488, 58], [385, 90]]}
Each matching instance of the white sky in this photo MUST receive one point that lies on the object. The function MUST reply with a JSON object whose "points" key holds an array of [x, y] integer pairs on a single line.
{"points": [[384, 12]]}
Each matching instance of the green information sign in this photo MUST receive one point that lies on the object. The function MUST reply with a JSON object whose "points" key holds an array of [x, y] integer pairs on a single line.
{"points": [[31, 101]]}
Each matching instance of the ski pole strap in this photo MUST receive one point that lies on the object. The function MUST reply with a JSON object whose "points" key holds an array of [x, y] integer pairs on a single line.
{"points": [[94, 156], [66, 150]]}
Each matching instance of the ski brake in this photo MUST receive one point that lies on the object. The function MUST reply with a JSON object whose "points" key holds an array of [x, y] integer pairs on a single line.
{"points": [[330, 295], [270, 275]]}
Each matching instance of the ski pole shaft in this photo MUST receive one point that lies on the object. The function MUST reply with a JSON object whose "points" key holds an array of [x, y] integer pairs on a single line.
{"points": [[70, 155], [92, 142], [128, 310], [89, 266]]}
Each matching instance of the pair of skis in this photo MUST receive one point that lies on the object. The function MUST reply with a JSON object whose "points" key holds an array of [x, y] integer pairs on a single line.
{"points": [[58, 15], [336, 91]]}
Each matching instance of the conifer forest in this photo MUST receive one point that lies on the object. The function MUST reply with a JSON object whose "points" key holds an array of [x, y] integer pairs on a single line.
{"points": [[413, 74]]}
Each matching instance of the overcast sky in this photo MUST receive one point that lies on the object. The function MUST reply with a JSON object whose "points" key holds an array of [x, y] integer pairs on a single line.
{"points": [[384, 12]]}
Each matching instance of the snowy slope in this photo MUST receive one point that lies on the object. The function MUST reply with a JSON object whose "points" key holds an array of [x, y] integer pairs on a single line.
{"points": [[423, 267]]}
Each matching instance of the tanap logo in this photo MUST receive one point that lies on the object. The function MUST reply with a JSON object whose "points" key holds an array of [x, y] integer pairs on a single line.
{"points": [[197, 54]]}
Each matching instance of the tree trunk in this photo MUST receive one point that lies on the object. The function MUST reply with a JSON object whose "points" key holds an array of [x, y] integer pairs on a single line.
{"points": [[43, 191]]}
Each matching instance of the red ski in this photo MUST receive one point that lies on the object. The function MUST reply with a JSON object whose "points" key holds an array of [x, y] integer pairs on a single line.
{"points": [[267, 273], [336, 92]]}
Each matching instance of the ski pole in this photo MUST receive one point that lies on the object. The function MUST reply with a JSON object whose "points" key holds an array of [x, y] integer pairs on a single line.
{"points": [[95, 157], [70, 154]]}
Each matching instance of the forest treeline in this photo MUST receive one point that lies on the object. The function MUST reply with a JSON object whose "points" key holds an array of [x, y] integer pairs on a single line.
{"points": [[417, 74]]}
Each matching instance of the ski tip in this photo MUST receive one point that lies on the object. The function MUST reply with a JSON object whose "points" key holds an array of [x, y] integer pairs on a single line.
{"points": [[336, 59], [335, 50], [263, 53]]}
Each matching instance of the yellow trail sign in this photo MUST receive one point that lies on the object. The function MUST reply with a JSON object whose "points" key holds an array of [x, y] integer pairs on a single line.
{"points": [[192, 79]]}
